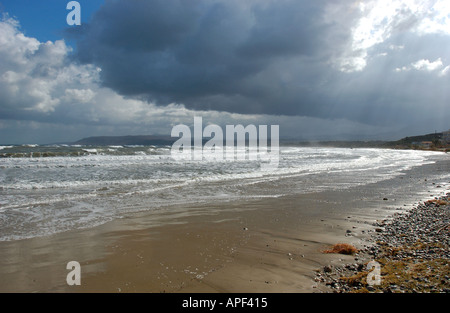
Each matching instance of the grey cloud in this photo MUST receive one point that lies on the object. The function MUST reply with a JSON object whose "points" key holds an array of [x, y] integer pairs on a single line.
{"points": [[261, 57], [216, 60]]}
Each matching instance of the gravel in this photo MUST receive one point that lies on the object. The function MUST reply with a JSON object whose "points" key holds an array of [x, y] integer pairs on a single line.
{"points": [[412, 249]]}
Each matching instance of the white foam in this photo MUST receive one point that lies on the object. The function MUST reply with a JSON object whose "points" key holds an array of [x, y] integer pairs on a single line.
{"points": [[91, 150], [54, 194]]}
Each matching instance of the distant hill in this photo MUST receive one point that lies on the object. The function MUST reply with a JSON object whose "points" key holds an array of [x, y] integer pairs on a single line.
{"points": [[336, 144], [126, 140], [146, 140], [415, 139]]}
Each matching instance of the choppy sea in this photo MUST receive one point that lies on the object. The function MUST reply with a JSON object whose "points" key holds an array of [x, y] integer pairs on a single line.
{"points": [[50, 189]]}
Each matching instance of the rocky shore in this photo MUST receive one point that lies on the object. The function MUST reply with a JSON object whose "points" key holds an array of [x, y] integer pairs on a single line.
{"points": [[412, 251]]}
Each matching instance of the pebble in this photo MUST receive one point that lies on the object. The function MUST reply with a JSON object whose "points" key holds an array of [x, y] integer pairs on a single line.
{"points": [[327, 269], [425, 223]]}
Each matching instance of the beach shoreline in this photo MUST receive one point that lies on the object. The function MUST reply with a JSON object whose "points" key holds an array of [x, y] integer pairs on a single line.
{"points": [[266, 245], [410, 253]]}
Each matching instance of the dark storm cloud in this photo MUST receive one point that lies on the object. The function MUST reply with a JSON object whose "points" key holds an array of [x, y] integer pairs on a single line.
{"points": [[221, 55], [267, 57]]}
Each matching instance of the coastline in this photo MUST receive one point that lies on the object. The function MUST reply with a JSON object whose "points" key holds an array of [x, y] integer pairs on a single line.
{"points": [[266, 245], [411, 250]]}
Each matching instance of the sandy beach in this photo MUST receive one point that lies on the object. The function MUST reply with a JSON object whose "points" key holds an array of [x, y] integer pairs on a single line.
{"points": [[172, 148], [264, 245]]}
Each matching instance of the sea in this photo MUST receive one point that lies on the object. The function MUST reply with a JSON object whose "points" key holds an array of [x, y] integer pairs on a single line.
{"points": [[49, 189]]}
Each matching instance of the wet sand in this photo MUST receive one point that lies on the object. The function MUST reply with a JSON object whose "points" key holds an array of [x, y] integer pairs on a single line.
{"points": [[266, 245]]}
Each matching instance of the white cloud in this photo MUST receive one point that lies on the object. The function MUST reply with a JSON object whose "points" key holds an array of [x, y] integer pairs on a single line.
{"points": [[426, 65], [14, 45], [79, 95], [34, 75], [380, 19], [437, 20]]}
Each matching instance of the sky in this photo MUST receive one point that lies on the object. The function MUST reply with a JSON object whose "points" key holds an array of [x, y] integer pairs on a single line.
{"points": [[321, 70]]}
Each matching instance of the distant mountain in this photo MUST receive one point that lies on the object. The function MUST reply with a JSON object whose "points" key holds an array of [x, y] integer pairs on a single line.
{"points": [[147, 140], [336, 144], [126, 140], [417, 139]]}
